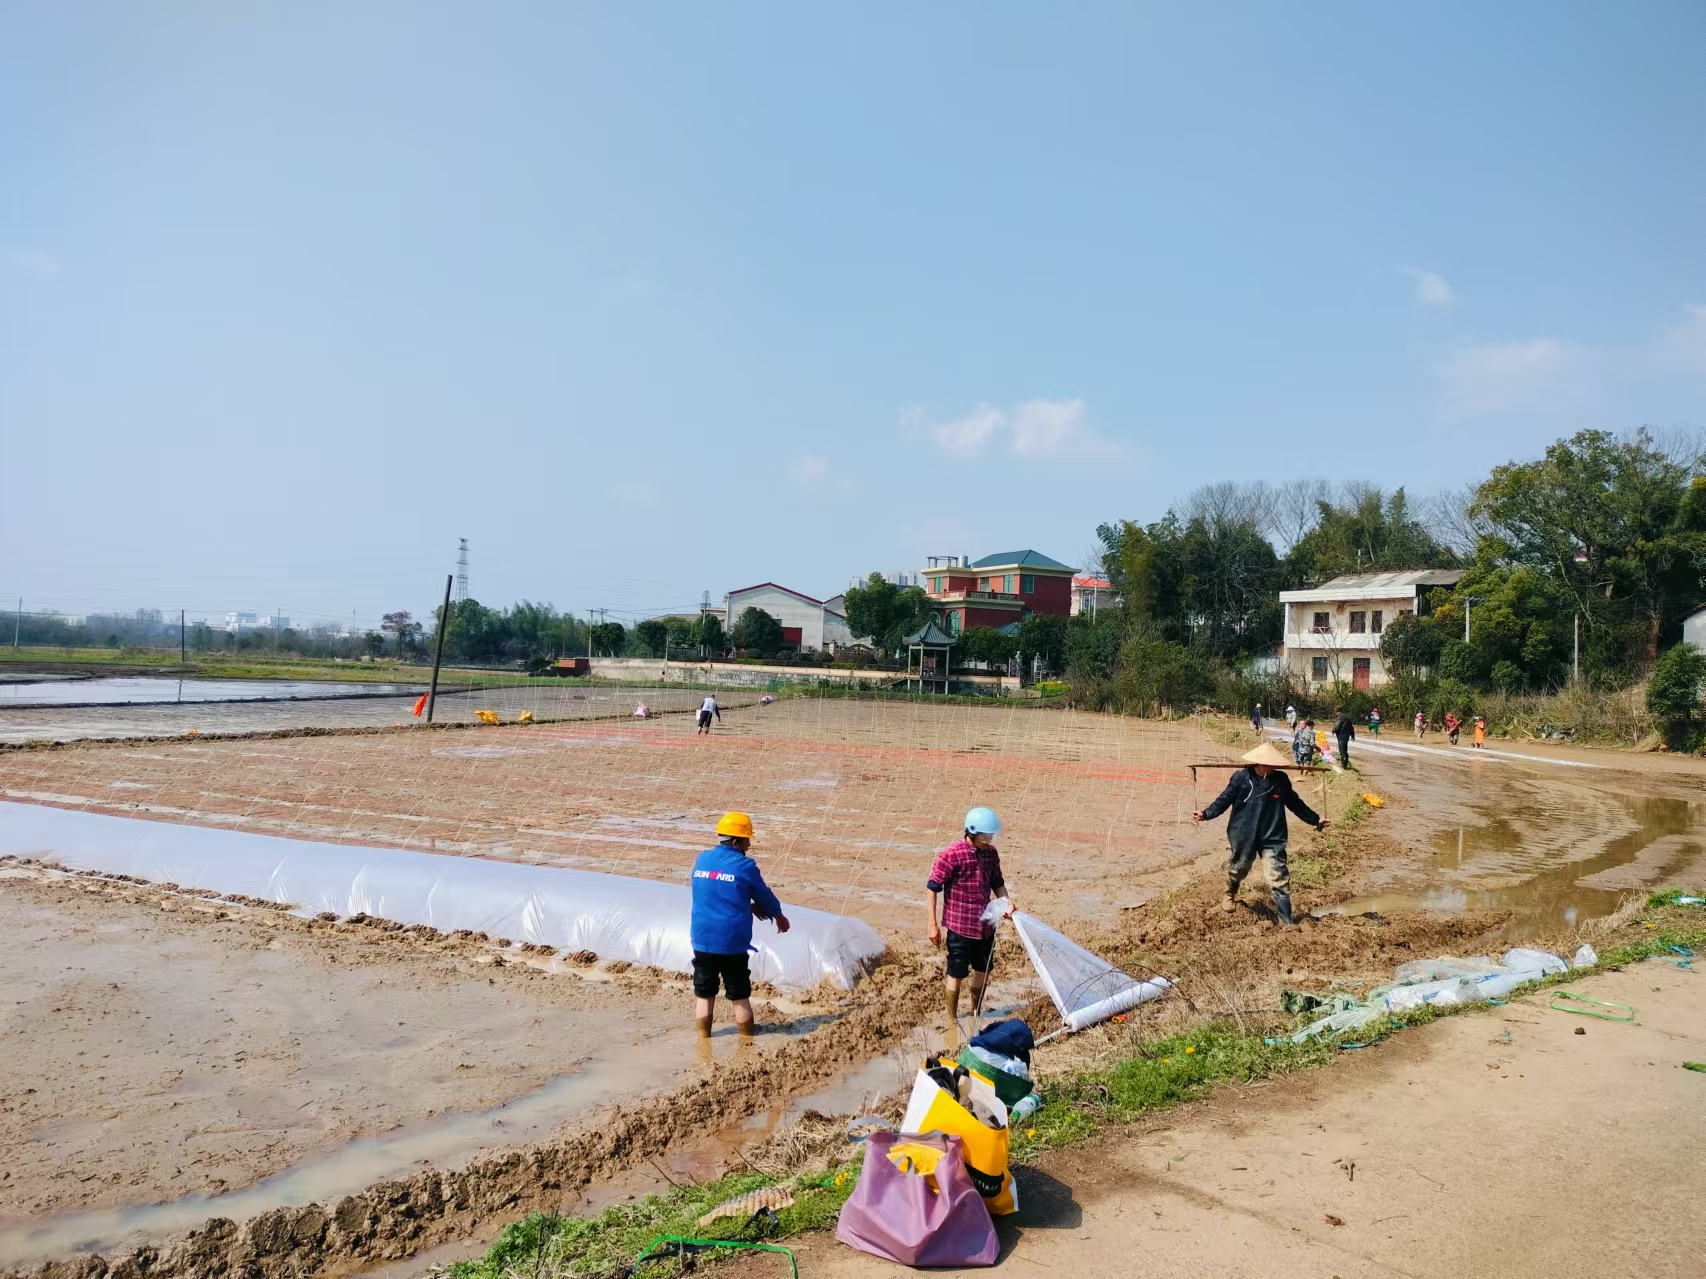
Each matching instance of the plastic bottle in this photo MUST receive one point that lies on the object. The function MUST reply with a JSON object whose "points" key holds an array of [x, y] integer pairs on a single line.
{"points": [[1025, 1107]]}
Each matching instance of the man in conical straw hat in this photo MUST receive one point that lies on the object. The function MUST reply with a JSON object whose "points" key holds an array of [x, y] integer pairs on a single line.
{"points": [[1258, 796]]}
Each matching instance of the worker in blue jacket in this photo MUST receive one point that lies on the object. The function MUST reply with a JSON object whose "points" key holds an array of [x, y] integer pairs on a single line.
{"points": [[728, 894]]}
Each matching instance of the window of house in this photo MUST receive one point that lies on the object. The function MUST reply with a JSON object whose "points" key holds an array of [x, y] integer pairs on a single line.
{"points": [[1323, 622], [935, 586], [1027, 584], [983, 583], [1376, 621], [1359, 622], [1406, 612], [953, 621], [1007, 584], [1318, 669]]}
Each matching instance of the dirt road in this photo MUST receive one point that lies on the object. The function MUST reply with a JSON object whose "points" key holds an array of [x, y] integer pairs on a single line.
{"points": [[1445, 1151]]}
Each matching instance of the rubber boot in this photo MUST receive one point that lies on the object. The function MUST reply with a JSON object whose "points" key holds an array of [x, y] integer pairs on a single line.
{"points": [[1282, 907], [1230, 902], [704, 1025]]}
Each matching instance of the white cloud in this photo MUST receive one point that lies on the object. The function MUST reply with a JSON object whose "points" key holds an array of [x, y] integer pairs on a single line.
{"points": [[1036, 430], [1432, 289], [815, 474], [37, 262], [1546, 373], [1493, 377]]}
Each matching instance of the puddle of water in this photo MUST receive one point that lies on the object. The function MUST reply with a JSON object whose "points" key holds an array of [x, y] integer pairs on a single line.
{"points": [[1500, 867], [445, 1142], [130, 690]]}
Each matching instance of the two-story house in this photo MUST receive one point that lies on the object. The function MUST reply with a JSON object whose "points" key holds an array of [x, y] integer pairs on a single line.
{"points": [[996, 590], [1332, 631]]}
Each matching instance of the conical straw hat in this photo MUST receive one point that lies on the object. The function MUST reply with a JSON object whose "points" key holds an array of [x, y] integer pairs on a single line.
{"points": [[1268, 753]]}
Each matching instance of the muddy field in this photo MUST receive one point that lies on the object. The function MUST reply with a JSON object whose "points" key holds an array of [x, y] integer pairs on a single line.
{"points": [[185, 1048]]}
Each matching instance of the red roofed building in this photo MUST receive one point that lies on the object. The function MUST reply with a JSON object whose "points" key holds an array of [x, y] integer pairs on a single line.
{"points": [[997, 590]]}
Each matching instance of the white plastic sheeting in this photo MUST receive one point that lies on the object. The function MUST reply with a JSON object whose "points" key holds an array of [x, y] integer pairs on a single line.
{"points": [[1085, 987], [640, 920]]}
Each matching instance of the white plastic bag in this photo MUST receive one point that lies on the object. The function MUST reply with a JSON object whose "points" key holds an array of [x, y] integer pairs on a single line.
{"points": [[1586, 957], [1524, 960]]}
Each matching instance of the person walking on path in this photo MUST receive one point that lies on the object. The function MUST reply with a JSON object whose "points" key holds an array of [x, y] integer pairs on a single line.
{"points": [[1258, 796], [966, 875], [1451, 726], [1303, 743], [1256, 717], [1344, 730], [1421, 725], [1374, 721], [1291, 718], [1480, 733], [728, 894], [708, 708]]}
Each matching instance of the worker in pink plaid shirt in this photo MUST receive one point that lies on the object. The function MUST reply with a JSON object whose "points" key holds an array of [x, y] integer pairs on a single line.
{"points": [[966, 875]]}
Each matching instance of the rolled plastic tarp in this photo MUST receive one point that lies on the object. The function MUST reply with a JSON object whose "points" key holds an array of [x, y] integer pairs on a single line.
{"points": [[640, 920], [1085, 988]]}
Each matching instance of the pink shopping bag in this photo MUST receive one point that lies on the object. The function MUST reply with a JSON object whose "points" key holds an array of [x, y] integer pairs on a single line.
{"points": [[915, 1203]]}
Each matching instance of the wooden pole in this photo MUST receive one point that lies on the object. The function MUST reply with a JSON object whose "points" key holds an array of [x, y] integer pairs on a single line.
{"points": [[438, 649]]}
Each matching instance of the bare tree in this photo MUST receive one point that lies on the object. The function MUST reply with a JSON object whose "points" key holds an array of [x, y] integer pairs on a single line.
{"points": [[1294, 510], [1448, 521]]}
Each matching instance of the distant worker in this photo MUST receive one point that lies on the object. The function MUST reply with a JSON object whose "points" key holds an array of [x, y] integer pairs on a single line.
{"points": [[708, 708], [1323, 752], [1374, 721], [1258, 796], [1256, 717], [1344, 730], [1421, 725], [1303, 743], [728, 894], [642, 711], [1291, 718], [1452, 724], [967, 875], [1480, 733]]}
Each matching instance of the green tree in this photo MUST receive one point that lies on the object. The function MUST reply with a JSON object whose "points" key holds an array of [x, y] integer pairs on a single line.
{"points": [[1410, 644], [1370, 533], [650, 636], [609, 639], [884, 613], [757, 632], [711, 636], [986, 644], [1618, 525], [1673, 690], [1045, 637]]}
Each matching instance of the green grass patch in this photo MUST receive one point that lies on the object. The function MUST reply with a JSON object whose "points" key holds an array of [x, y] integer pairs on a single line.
{"points": [[548, 1246]]}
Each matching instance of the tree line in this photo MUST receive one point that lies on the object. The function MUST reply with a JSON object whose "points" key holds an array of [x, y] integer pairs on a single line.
{"points": [[1584, 559]]}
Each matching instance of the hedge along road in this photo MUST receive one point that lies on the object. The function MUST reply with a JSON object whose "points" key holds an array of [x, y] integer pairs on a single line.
{"points": [[1445, 1152]]}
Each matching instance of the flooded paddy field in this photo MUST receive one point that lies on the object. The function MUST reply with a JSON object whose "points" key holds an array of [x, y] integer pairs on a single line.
{"points": [[193, 1058], [272, 708]]}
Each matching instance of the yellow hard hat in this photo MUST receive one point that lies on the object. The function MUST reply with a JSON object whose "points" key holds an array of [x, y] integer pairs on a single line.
{"points": [[739, 825]]}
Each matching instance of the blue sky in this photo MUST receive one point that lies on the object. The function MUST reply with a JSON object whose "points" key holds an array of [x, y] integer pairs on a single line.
{"points": [[648, 300]]}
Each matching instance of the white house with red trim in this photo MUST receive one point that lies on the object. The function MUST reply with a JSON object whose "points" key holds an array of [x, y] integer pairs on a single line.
{"points": [[808, 624]]}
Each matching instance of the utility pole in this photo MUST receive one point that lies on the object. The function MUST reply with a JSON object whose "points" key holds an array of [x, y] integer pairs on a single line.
{"points": [[438, 649], [462, 570], [1467, 601], [183, 643], [18, 623], [1576, 652]]}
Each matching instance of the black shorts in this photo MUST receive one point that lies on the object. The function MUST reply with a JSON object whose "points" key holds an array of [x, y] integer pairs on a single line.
{"points": [[704, 719], [967, 953], [732, 970]]}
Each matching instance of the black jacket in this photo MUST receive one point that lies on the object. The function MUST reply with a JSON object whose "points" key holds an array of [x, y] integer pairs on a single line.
{"points": [[1258, 807], [1343, 728]]}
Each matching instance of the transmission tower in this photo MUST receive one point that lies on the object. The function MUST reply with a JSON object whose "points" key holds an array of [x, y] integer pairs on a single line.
{"points": [[462, 570]]}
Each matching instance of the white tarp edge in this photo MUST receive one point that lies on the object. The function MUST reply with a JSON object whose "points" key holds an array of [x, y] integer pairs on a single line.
{"points": [[1085, 988], [640, 920]]}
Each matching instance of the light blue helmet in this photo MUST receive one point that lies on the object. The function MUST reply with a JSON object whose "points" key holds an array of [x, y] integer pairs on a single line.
{"points": [[982, 821]]}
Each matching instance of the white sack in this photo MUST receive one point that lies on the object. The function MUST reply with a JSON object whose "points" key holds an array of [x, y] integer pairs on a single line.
{"points": [[640, 920]]}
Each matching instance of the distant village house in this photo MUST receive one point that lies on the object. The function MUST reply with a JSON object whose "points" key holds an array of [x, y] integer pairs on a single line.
{"points": [[1332, 631]]}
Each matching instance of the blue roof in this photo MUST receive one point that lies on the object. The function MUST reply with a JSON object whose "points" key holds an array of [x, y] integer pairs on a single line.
{"points": [[1026, 559]]}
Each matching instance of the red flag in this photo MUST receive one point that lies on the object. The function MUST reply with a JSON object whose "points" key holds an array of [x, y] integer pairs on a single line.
{"points": [[420, 706]]}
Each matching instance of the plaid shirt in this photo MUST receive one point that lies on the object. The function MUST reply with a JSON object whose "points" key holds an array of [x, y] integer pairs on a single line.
{"points": [[967, 877]]}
